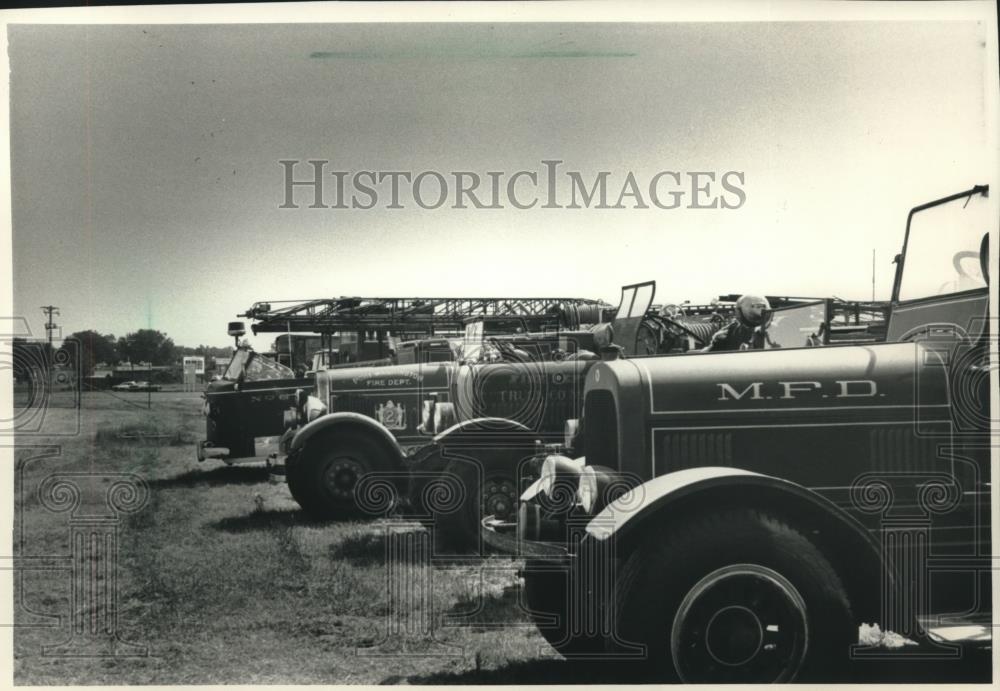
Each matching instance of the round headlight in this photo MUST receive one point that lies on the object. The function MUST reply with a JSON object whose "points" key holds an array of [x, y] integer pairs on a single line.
{"points": [[586, 491], [570, 431], [558, 481], [314, 408]]}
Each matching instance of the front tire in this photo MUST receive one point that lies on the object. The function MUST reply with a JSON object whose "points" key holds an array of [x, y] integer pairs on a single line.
{"points": [[489, 489], [547, 598], [735, 597], [323, 475]]}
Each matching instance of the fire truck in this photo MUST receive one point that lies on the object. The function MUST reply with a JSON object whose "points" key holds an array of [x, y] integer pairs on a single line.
{"points": [[733, 517], [247, 402]]}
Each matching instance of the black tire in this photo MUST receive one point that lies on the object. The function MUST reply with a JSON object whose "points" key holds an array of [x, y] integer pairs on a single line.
{"points": [[491, 491], [323, 474], [546, 597], [737, 596]]}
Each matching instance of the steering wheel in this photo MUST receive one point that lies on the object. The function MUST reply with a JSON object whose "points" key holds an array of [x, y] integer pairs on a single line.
{"points": [[681, 327], [671, 311], [508, 352], [959, 257]]}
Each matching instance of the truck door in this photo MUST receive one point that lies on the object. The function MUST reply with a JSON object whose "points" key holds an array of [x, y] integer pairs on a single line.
{"points": [[941, 292], [941, 300]]}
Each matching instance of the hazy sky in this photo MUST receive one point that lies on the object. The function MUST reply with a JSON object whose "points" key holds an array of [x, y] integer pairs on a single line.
{"points": [[146, 182]]}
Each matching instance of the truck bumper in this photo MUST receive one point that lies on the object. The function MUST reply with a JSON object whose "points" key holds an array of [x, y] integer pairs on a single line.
{"points": [[523, 538], [206, 449], [276, 468]]}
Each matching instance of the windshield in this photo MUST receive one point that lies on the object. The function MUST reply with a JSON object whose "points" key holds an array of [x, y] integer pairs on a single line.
{"points": [[796, 327], [255, 367], [943, 249], [259, 368]]}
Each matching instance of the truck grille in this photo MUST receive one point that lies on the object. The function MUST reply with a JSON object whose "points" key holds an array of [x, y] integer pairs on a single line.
{"points": [[898, 449], [600, 429], [695, 449]]}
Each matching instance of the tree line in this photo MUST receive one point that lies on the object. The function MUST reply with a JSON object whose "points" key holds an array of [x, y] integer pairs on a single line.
{"points": [[90, 348]]}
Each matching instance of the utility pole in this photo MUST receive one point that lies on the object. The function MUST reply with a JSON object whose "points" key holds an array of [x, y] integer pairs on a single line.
{"points": [[50, 325], [873, 274]]}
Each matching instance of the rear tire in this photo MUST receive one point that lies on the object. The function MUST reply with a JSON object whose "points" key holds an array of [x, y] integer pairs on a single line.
{"points": [[735, 597], [323, 475]]}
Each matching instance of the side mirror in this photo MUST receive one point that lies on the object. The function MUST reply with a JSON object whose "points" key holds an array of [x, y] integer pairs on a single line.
{"points": [[237, 329]]}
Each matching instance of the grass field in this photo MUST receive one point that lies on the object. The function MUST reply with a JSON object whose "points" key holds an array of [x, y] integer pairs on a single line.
{"points": [[222, 580]]}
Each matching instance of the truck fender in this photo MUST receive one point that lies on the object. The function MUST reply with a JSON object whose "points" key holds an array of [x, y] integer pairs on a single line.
{"points": [[476, 440], [345, 421], [852, 550], [480, 427]]}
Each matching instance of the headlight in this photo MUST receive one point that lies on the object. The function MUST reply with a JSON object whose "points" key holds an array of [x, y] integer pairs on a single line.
{"points": [[314, 408], [586, 491], [599, 486], [427, 416], [558, 481], [570, 432]]}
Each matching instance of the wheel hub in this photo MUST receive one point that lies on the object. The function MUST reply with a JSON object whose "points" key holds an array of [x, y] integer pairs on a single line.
{"points": [[743, 623], [342, 476], [499, 498], [734, 635]]}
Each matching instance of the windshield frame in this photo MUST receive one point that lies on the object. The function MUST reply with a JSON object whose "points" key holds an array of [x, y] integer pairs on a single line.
{"points": [[982, 190], [239, 360]]}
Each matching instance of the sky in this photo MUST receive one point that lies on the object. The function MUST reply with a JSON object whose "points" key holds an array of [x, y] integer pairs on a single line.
{"points": [[146, 185]]}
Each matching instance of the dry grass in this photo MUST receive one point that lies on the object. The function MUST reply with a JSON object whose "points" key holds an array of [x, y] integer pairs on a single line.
{"points": [[225, 581]]}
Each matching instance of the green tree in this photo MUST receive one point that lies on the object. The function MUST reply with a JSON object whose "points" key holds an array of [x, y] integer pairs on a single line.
{"points": [[148, 345]]}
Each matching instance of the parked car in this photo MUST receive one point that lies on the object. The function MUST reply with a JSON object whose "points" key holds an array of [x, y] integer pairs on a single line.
{"points": [[135, 386]]}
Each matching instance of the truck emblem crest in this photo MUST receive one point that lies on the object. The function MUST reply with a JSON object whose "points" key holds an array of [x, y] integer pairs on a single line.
{"points": [[391, 416]]}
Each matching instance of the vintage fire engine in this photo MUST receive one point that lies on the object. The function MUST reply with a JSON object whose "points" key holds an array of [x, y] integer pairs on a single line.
{"points": [[247, 402], [734, 516]]}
